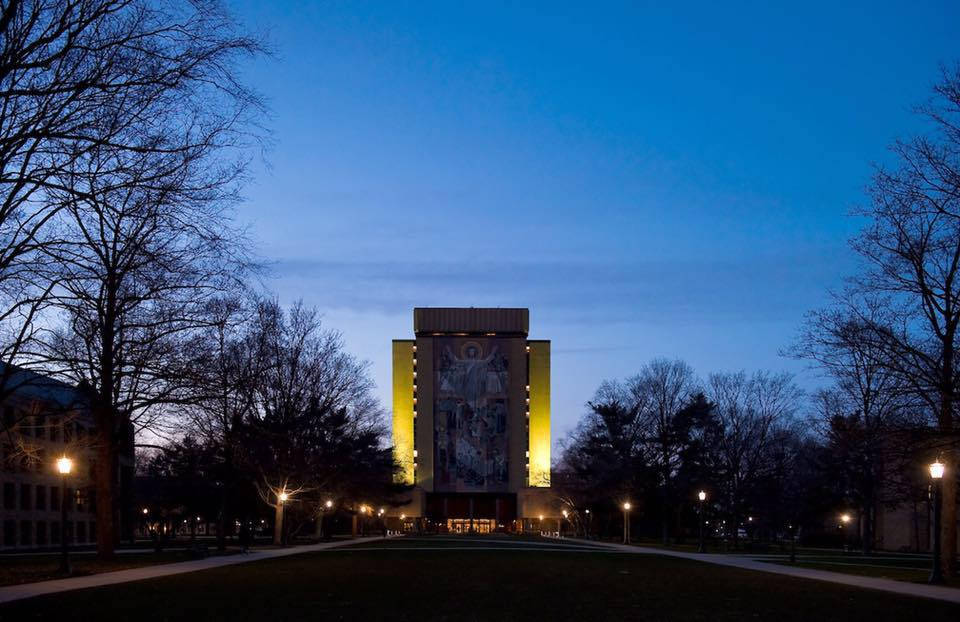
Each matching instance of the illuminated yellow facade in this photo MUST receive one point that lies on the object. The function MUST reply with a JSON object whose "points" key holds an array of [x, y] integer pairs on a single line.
{"points": [[403, 409], [471, 418], [539, 436]]}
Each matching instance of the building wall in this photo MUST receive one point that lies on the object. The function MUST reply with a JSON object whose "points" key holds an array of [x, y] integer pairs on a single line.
{"points": [[539, 408], [424, 418], [31, 488], [403, 407]]}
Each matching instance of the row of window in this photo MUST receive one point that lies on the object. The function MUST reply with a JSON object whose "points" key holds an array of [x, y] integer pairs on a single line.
{"points": [[36, 496], [45, 427], [41, 533]]}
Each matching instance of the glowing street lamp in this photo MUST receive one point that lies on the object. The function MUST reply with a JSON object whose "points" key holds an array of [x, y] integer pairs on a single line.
{"points": [[626, 522], [563, 513], [702, 496], [282, 497], [936, 474], [64, 467]]}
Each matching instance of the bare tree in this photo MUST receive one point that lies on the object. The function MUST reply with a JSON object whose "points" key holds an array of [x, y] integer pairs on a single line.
{"points": [[91, 75], [911, 248], [316, 426], [750, 411], [867, 407], [661, 391], [144, 236], [224, 365]]}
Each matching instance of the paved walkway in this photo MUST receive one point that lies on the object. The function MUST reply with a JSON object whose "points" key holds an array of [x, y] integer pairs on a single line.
{"points": [[937, 592], [29, 590]]}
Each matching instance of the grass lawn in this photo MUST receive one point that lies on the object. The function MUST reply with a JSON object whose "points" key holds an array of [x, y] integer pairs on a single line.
{"points": [[29, 568], [392, 580]]}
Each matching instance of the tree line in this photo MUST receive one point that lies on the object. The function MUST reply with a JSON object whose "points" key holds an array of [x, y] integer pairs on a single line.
{"points": [[887, 343]]}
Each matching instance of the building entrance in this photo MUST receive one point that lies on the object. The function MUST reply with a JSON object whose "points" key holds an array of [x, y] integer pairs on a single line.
{"points": [[462, 525]]}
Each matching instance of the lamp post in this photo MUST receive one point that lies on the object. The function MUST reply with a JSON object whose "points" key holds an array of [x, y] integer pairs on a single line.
{"points": [[64, 466], [936, 474], [702, 496], [588, 528], [844, 521], [326, 507], [626, 522], [282, 497], [563, 513]]}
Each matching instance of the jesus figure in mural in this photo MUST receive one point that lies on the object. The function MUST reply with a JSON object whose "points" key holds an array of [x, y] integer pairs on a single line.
{"points": [[467, 377]]}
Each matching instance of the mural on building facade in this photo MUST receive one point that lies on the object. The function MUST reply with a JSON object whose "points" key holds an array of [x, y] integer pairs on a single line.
{"points": [[470, 415]]}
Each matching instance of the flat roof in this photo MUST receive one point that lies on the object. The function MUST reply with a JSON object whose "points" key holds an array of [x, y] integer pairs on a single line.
{"points": [[471, 320]]}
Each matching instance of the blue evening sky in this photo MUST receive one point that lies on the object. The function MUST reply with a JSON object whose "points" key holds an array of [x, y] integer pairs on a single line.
{"points": [[649, 178]]}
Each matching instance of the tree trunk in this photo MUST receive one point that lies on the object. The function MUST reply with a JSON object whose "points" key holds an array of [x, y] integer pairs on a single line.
{"points": [[948, 517], [105, 474], [278, 524]]}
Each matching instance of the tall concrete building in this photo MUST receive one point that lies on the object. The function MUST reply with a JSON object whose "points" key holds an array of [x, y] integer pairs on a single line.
{"points": [[471, 420]]}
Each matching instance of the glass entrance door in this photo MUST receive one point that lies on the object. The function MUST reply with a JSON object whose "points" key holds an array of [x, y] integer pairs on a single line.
{"points": [[462, 525]]}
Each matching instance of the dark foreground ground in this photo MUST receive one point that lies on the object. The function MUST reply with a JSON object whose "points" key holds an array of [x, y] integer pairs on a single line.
{"points": [[476, 578]]}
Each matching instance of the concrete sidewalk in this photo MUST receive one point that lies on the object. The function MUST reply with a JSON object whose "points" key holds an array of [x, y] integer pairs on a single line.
{"points": [[29, 590], [921, 590]]}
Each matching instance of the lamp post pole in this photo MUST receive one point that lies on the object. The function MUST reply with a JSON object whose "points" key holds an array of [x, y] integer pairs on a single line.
{"points": [[626, 523], [702, 496], [64, 466], [936, 474]]}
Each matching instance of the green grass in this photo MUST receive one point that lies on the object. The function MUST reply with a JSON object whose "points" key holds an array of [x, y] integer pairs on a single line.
{"points": [[16, 569], [524, 583]]}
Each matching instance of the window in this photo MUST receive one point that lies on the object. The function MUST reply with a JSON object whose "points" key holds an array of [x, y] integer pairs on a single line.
{"points": [[9, 496], [9, 533], [93, 531], [54, 497], [68, 531], [54, 532], [40, 501], [81, 531], [41, 532], [26, 532], [25, 490]]}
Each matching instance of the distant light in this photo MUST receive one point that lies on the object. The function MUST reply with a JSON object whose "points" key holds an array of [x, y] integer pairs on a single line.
{"points": [[64, 465], [702, 495], [627, 506], [541, 517], [403, 516], [146, 511], [283, 496], [329, 504], [936, 469], [587, 511], [564, 513], [844, 518]]}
